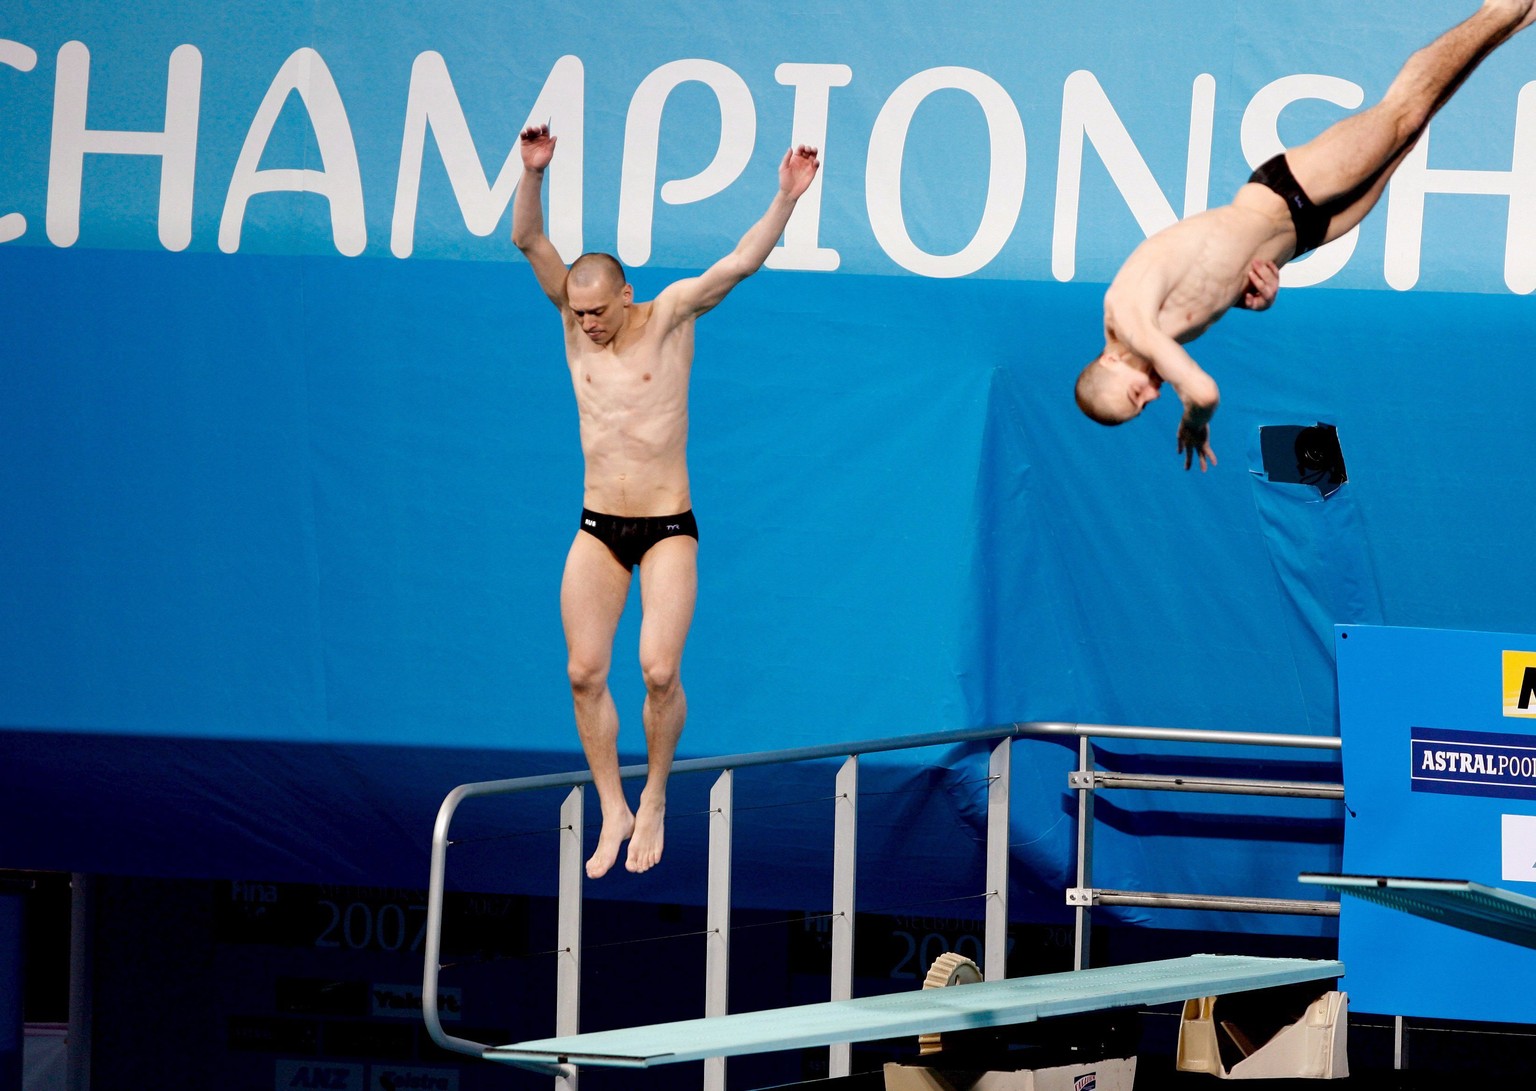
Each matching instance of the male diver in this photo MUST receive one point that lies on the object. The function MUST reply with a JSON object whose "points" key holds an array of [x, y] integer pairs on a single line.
{"points": [[630, 363], [1177, 283]]}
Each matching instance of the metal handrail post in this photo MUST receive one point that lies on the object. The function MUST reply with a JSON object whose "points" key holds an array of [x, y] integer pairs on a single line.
{"points": [[432, 944], [1082, 931], [845, 827], [432, 953], [568, 926], [82, 978], [999, 770], [717, 923]]}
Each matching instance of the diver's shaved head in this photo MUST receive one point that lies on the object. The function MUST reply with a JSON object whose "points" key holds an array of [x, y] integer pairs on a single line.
{"points": [[1094, 393], [596, 271]]}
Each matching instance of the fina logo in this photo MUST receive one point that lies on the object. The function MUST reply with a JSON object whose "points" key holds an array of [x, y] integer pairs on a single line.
{"points": [[1520, 684]]}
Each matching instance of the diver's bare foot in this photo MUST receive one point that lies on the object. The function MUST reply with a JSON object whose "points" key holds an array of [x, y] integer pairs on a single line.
{"points": [[645, 844], [615, 832]]}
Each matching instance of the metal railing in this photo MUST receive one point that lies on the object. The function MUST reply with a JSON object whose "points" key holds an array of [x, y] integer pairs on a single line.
{"points": [[1086, 781]]}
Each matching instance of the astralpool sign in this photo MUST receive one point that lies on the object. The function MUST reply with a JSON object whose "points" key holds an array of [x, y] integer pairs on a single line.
{"points": [[1474, 763], [1440, 784]]}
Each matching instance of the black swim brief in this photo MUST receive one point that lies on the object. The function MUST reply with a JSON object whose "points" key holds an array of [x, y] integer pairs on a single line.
{"points": [[629, 539], [1310, 220]]}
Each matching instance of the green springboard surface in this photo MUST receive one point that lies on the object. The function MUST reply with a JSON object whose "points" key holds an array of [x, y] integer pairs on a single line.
{"points": [[1456, 903], [921, 1011]]}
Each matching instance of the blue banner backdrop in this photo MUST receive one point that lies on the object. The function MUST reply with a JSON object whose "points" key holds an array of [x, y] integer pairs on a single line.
{"points": [[290, 454]]}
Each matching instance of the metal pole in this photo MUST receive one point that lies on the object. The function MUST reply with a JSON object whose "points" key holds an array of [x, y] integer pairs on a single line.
{"points": [[13, 943], [432, 946], [1083, 923], [998, 771], [82, 976], [432, 950], [568, 927], [1217, 785], [1230, 903], [1399, 1044], [717, 924], [845, 829], [1182, 734]]}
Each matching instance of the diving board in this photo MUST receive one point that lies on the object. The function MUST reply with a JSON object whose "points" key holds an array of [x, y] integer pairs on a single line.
{"points": [[926, 1011], [1458, 903]]}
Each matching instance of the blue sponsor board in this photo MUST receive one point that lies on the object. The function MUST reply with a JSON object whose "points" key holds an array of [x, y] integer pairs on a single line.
{"points": [[1473, 763], [1439, 782]]}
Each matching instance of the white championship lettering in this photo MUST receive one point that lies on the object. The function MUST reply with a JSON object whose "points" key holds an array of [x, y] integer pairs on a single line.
{"points": [[1087, 114], [1415, 179], [1088, 118], [13, 225], [642, 145], [175, 145], [1005, 179], [433, 105], [813, 85], [306, 74]]}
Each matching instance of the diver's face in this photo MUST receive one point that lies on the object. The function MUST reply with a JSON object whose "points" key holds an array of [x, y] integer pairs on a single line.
{"points": [[1127, 390], [1141, 390], [599, 308]]}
